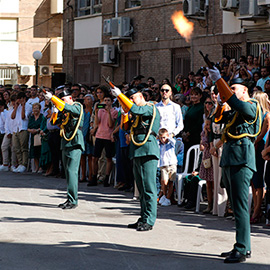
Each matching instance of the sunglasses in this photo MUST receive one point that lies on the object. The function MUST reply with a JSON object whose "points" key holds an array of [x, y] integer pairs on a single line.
{"points": [[185, 81], [165, 90], [208, 103], [156, 88]]}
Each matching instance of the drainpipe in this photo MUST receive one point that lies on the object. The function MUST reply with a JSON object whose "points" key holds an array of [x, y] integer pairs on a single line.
{"points": [[116, 8]]}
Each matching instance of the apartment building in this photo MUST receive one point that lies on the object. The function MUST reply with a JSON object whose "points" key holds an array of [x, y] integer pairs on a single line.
{"points": [[27, 26], [125, 38]]}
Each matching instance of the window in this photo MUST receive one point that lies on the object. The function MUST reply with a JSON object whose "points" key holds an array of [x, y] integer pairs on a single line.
{"points": [[133, 3], [89, 7], [9, 6], [8, 30], [9, 49], [256, 48], [132, 68], [181, 62], [232, 50], [87, 70]]}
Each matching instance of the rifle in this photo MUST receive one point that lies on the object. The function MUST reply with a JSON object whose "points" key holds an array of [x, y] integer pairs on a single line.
{"points": [[206, 60], [108, 81]]}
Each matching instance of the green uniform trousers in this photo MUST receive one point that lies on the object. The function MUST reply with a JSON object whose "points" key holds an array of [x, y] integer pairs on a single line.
{"points": [[145, 170], [237, 181], [71, 159]]}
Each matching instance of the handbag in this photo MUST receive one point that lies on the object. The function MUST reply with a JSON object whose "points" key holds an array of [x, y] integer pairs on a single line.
{"points": [[37, 140], [207, 163]]}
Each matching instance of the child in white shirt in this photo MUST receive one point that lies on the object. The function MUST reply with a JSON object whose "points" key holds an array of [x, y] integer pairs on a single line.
{"points": [[167, 165]]}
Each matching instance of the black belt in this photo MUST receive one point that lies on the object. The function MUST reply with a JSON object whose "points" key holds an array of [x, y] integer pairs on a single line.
{"points": [[143, 131], [217, 136], [54, 130]]}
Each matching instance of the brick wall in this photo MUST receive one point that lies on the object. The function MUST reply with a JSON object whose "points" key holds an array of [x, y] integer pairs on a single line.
{"points": [[154, 38]]}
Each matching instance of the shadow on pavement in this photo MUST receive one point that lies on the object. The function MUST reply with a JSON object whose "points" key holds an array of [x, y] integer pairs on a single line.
{"points": [[59, 221], [103, 256]]}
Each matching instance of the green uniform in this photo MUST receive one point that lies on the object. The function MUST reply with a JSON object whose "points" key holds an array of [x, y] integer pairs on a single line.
{"points": [[71, 150], [145, 161], [238, 165]]}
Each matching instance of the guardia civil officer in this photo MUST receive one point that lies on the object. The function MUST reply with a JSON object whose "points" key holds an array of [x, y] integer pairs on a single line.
{"points": [[238, 158], [144, 152], [70, 119]]}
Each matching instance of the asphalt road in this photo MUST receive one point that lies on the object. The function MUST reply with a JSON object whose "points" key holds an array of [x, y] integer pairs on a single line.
{"points": [[36, 234]]}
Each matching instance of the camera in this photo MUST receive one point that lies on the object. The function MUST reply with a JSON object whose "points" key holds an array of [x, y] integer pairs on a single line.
{"points": [[101, 106]]}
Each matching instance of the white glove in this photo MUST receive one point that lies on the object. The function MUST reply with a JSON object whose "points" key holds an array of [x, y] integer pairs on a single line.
{"points": [[219, 101], [54, 110], [116, 91], [48, 95], [214, 74], [123, 112]]}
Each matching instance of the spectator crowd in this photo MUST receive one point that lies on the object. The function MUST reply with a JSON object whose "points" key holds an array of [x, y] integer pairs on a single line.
{"points": [[189, 116]]}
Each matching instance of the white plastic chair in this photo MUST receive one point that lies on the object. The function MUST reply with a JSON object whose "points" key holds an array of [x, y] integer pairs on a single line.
{"points": [[113, 173], [200, 198], [180, 176], [199, 195]]}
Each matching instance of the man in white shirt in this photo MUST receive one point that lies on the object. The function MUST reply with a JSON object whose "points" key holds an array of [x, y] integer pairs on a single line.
{"points": [[33, 96], [6, 146], [20, 136], [2, 124], [264, 78], [170, 112]]}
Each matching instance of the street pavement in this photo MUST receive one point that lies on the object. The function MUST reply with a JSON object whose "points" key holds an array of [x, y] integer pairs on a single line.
{"points": [[36, 234]]}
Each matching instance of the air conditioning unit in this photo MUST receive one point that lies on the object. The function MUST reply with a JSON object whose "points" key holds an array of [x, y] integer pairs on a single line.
{"points": [[229, 5], [45, 70], [27, 70], [249, 10], [106, 54], [107, 27], [263, 2], [121, 27], [193, 8]]}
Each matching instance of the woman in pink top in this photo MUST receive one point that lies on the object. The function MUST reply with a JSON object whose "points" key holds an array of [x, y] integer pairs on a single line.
{"points": [[104, 121]]}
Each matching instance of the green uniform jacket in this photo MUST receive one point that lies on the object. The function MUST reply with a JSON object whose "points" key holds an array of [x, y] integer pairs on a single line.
{"points": [[77, 141], [241, 151], [151, 146]]}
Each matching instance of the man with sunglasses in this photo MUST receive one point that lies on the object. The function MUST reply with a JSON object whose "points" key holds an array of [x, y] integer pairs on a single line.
{"points": [[264, 78], [170, 112]]}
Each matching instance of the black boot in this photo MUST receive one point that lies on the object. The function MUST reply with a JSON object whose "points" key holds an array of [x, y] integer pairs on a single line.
{"points": [[106, 181], [93, 182], [190, 205]]}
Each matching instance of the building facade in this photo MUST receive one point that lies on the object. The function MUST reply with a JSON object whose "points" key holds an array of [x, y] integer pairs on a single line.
{"points": [[122, 39], [27, 26]]}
